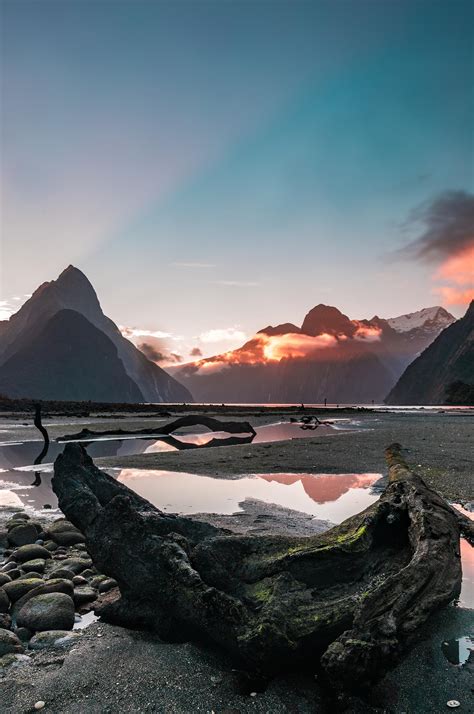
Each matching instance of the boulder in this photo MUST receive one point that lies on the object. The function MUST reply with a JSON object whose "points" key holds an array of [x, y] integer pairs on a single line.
{"points": [[4, 578], [22, 534], [37, 565], [83, 595], [58, 585], [63, 532], [9, 643], [30, 552], [53, 611], [107, 585], [4, 601], [5, 621], [61, 572], [59, 639], [16, 589]]}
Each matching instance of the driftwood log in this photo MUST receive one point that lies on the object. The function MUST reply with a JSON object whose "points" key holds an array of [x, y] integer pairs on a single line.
{"points": [[344, 603], [229, 427]]}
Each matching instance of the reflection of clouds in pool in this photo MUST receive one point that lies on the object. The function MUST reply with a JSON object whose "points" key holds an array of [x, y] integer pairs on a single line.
{"points": [[191, 493]]}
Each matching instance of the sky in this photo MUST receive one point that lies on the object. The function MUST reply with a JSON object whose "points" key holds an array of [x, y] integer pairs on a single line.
{"points": [[215, 167]]}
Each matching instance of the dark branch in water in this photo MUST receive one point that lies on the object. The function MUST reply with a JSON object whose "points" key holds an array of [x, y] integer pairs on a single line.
{"points": [[346, 602], [229, 427], [39, 459]]}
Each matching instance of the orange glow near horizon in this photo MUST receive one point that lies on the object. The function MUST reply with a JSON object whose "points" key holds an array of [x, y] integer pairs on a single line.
{"points": [[459, 271]]}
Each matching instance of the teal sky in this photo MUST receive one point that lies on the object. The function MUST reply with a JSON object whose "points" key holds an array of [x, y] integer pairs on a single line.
{"points": [[226, 165]]}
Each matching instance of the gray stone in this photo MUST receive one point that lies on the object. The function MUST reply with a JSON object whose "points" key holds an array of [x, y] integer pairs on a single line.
{"points": [[4, 601], [23, 633], [83, 595], [79, 580], [37, 565], [30, 552], [59, 639], [50, 545], [107, 585], [5, 621], [22, 534], [16, 589], [64, 533], [53, 611], [9, 643], [61, 572], [4, 578], [58, 585]]}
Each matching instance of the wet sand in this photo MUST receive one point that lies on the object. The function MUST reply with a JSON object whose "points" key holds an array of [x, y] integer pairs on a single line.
{"points": [[439, 446], [112, 669]]}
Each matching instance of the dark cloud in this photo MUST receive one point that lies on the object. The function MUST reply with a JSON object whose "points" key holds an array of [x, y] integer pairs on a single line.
{"points": [[175, 357], [196, 352], [151, 352], [447, 225]]}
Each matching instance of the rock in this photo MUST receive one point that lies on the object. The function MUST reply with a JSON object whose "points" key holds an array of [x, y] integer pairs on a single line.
{"points": [[22, 534], [32, 574], [107, 585], [53, 611], [89, 573], [23, 633], [83, 595], [40, 541], [13, 660], [76, 565], [5, 621], [54, 639], [79, 580], [4, 601], [9, 643], [97, 580], [50, 545], [64, 533], [15, 573], [22, 515], [40, 704], [61, 572], [59, 585], [16, 589], [9, 566], [37, 565], [4, 578], [30, 552]]}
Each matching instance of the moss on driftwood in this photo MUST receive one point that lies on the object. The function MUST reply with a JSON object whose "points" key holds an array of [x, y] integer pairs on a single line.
{"points": [[346, 601]]}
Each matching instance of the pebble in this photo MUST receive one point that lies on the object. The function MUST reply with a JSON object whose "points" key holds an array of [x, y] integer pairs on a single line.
{"points": [[40, 705], [453, 703]]}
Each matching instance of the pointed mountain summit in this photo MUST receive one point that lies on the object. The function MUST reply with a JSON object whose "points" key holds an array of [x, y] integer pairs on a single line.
{"points": [[447, 361], [73, 291]]}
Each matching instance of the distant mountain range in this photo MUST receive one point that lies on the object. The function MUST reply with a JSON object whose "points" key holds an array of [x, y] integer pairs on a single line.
{"points": [[329, 357], [61, 346], [444, 371]]}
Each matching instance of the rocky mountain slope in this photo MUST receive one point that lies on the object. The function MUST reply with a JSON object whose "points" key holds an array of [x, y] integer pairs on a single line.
{"points": [[448, 360], [72, 291], [69, 359], [329, 357]]}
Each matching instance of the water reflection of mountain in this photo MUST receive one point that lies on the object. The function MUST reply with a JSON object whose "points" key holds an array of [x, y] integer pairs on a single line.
{"points": [[322, 488]]}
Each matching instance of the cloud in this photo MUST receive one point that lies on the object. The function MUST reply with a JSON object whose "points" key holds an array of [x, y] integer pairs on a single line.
{"points": [[196, 352], [448, 227], [364, 333], [447, 240], [9, 307], [133, 332], [193, 265], [224, 334], [151, 352]]}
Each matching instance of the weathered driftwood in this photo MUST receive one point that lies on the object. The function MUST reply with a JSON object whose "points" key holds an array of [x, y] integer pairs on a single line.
{"points": [[344, 602], [229, 427]]}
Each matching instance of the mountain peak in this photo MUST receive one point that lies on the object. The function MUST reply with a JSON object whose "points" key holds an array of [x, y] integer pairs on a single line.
{"points": [[435, 316], [327, 319]]}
